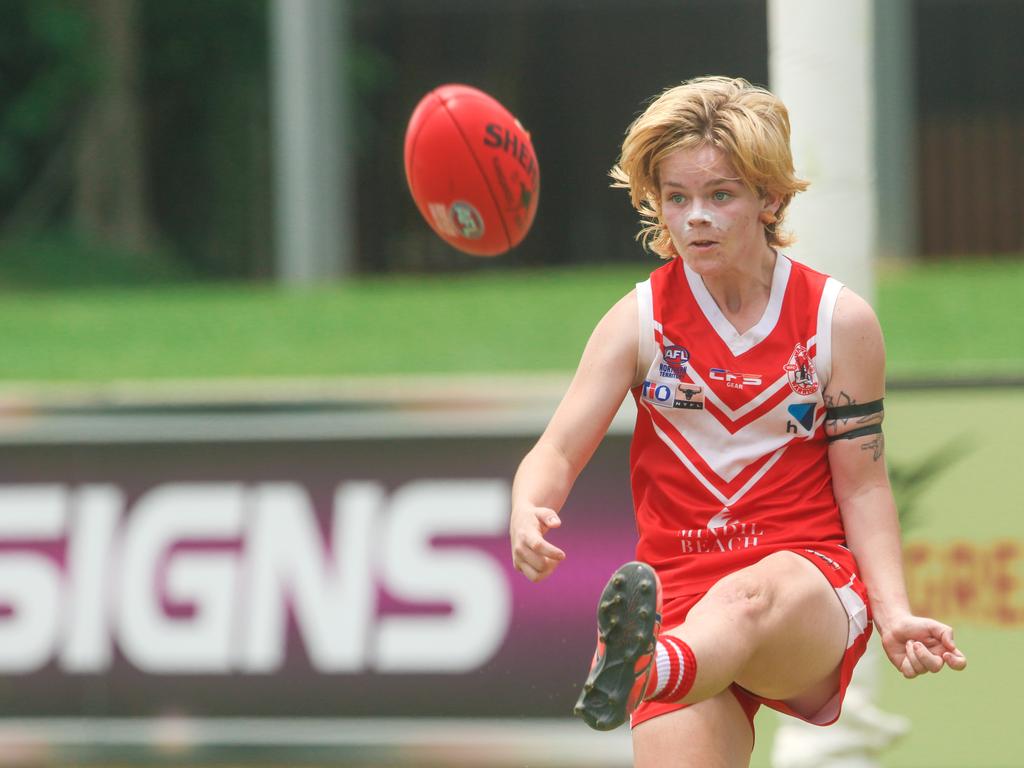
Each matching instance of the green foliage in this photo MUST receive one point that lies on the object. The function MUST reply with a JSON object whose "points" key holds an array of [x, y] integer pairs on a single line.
{"points": [[63, 260], [911, 479], [205, 80], [45, 57]]}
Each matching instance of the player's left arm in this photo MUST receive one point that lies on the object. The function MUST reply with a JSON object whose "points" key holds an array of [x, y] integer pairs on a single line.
{"points": [[856, 453]]}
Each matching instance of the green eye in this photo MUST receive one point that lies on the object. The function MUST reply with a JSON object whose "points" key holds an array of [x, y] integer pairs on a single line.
{"points": [[676, 198], [721, 196]]}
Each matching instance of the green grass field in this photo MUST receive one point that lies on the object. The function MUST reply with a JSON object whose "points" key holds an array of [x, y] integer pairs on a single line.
{"points": [[944, 320]]}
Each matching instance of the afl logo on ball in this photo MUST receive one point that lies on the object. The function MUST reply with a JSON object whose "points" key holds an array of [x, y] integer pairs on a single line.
{"points": [[467, 220]]}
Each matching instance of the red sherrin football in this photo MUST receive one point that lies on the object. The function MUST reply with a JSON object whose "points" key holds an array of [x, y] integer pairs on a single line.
{"points": [[472, 170]]}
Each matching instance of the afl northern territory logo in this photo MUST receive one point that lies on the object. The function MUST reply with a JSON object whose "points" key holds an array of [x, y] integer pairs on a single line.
{"points": [[800, 369], [467, 220], [676, 358]]}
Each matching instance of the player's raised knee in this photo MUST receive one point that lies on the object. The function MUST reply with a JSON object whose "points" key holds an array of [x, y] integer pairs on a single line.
{"points": [[743, 594]]}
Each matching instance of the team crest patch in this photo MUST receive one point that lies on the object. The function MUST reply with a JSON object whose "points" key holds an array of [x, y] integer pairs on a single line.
{"points": [[800, 369]]}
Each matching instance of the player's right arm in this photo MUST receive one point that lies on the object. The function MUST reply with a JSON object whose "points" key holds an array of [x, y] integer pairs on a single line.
{"points": [[605, 374]]}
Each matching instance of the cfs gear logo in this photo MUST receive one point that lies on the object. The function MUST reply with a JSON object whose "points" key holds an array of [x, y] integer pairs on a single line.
{"points": [[467, 220], [800, 369], [676, 358], [735, 380]]}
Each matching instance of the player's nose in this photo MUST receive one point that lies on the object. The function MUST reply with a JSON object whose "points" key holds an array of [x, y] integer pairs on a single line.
{"points": [[698, 215]]}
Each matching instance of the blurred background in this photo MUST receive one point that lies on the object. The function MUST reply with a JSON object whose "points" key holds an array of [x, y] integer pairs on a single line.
{"points": [[258, 424]]}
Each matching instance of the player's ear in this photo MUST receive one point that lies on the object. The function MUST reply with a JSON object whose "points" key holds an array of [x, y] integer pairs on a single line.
{"points": [[770, 205]]}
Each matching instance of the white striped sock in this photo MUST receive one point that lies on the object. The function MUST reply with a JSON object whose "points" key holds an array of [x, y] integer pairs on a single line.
{"points": [[664, 669]]}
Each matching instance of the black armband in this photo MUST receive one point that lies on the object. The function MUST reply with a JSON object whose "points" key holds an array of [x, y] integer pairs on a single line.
{"points": [[870, 429], [853, 411]]}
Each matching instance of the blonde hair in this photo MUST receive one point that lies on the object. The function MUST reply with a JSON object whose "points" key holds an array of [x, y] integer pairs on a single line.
{"points": [[749, 124]]}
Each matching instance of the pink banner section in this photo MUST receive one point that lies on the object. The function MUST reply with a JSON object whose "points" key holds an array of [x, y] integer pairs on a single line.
{"points": [[324, 578]]}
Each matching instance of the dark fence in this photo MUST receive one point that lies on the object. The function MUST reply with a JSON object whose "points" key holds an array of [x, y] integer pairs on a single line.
{"points": [[971, 184]]}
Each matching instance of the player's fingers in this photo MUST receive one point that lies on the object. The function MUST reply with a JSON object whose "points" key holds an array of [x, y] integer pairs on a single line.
{"points": [[549, 567], [946, 636], [527, 556], [915, 666], [536, 574], [955, 660], [547, 549], [549, 518], [931, 661], [907, 668], [528, 571]]}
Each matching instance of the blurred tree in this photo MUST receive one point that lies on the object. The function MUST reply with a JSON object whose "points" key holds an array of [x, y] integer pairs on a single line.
{"points": [[110, 189], [206, 96], [48, 73]]}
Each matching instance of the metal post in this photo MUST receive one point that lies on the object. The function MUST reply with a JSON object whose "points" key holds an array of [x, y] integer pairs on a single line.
{"points": [[895, 129], [313, 220]]}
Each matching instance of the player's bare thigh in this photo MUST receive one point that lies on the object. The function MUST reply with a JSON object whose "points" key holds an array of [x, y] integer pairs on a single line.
{"points": [[713, 733], [800, 627]]}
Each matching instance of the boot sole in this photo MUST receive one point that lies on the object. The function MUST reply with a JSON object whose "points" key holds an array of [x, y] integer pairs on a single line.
{"points": [[626, 618]]}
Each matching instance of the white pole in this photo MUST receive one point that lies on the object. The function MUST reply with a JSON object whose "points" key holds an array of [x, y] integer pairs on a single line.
{"points": [[312, 217], [895, 130], [821, 58]]}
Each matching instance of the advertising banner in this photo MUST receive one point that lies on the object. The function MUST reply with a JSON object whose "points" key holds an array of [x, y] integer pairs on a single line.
{"points": [[333, 579], [226, 574]]}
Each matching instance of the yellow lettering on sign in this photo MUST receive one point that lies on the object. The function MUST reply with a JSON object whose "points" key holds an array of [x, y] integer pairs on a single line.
{"points": [[967, 581]]}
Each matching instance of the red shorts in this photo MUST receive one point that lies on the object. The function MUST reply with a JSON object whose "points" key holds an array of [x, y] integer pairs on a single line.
{"points": [[838, 566]]}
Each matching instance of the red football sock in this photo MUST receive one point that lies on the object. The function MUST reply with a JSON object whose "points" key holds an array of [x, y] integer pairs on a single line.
{"points": [[673, 672]]}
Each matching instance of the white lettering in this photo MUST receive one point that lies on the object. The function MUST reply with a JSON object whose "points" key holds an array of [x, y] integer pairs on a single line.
{"points": [[30, 587], [95, 514], [208, 578], [32, 512], [471, 582], [203, 581], [333, 597], [30, 581]]}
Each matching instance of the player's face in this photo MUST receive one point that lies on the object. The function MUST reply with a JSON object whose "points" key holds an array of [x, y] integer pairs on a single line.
{"points": [[713, 218]]}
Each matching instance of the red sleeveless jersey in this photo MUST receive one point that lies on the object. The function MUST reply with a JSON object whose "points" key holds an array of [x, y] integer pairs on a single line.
{"points": [[729, 456]]}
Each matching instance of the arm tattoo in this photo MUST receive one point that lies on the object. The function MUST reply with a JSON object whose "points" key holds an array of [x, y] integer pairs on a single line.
{"points": [[853, 434], [860, 414], [843, 410], [877, 446], [833, 403]]}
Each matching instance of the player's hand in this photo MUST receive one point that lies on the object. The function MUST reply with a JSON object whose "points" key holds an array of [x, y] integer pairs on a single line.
{"points": [[916, 645], [532, 556]]}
